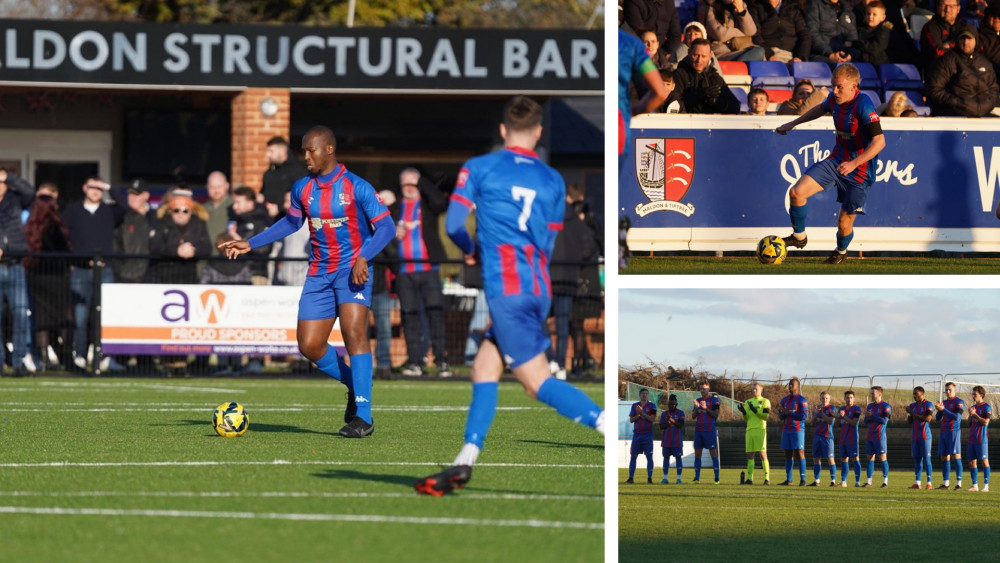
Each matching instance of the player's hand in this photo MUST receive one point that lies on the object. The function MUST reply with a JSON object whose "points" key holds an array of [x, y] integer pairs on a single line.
{"points": [[907, 409], [939, 406], [470, 259], [783, 129], [359, 273], [234, 248], [846, 167]]}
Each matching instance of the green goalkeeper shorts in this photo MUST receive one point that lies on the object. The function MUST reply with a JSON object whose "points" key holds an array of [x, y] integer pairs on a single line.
{"points": [[757, 440]]}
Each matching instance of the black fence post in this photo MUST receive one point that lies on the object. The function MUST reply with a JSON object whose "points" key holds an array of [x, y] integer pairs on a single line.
{"points": [[95, 310]]}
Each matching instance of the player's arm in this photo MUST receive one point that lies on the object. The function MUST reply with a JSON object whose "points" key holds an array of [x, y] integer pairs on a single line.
{"points": [[873, 148], [927, 416], [883, 417], [460, 205], [665, 420], [634, 415], [953, 415], [854, 421], [813, 113], [657, 93], [765, 410], [289, 224], [714, 410], [801, 414]]}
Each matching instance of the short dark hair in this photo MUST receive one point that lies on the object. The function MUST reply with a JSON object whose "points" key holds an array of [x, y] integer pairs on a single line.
{"points": [[980, 390], [49, 185], [93, 177], [246, 192], [875, 4], [643, 390], [919, 388], [700, 41], [575, 191], [909, 112], [803, 82], [877, 388], [521, 113], [277, 140], [667, 74], [848, 392], [323, 132], [950, 384], [756, 91]]}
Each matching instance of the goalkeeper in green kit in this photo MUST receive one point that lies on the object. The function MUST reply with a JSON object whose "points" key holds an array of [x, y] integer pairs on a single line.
{"points": [[755, 411]]}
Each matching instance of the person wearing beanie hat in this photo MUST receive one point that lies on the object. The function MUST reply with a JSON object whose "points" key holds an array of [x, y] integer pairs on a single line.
{"points": [[179, 239], [989, 35], [962, 81]]}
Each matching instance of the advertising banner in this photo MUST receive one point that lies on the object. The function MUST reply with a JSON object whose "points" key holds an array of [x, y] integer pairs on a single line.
{"points": [[721, 183], [201, 319]]}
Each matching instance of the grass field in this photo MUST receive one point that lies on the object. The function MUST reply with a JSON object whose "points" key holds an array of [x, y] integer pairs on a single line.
{"points": [[794, 265], [729, 522], [115, 469]]}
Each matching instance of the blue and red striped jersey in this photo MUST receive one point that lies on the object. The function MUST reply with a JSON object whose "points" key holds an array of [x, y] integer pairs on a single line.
{"points": [[339, 208], [823, 428], [977, 430], [519, 203], [849, 432], [952, 423], [412, 246], [705, 422], [851, 121], [641, 425], [795, 421], [921, 430], [875, 413], [673, 436]]}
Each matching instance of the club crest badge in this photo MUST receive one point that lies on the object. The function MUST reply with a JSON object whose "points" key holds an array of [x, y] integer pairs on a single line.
{"points": [[664, 169]]}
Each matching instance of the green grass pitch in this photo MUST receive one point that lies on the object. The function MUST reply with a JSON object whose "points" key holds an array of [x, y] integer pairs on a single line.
{"points": [[794, 265], [115, 470], [729, 522]]}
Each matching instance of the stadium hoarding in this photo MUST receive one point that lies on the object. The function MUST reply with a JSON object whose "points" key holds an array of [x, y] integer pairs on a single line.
{"points": [[720, 183], [328, 59], [152, 319]]}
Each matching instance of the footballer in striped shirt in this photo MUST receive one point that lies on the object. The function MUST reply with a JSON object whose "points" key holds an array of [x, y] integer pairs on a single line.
{"points": [[705, 411], [978, 447], [825, 416], [793, 410], [850, 416], [877, 418], [672, 424], [949, 413], [919, 414]]}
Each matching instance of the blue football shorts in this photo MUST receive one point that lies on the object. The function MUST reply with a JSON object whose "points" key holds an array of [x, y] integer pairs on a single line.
{"points": [[823, 447], [875, 447], [978, 451], [516, 326], [950, 443], [851, 194], [323, 293], [706, 440], [920, 449], [793, 440], [848, 450], [642, 444], [675, 451]]}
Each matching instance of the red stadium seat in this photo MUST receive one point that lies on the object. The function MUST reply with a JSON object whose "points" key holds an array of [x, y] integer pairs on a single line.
{"points": [[778, 96], [733, 67]]}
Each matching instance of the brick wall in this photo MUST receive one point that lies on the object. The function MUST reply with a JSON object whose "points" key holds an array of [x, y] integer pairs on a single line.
{"points": [[251, 130]]}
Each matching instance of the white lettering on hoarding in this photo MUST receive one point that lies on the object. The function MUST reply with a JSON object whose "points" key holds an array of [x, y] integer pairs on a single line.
{"points": [[987, 180]]}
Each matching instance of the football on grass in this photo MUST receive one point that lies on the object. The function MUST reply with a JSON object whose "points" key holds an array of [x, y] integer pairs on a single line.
{"points": [[771, 250], [230, 420]]}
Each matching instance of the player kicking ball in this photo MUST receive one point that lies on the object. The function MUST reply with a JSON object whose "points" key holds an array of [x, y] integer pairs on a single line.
{"points": [[519, 203], [850, 167]]}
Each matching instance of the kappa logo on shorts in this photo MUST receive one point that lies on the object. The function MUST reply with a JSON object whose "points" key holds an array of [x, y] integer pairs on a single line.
{"points": [[664, 169], [360, 296]]}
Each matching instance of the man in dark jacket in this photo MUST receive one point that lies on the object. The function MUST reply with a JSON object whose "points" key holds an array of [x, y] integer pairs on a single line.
{"points": [[419, 283], [251, 220], [15, 196], [700, 87], [781, 30], [989, 35], [962, 81], [284, 171], [834, 31], [180, 239], [132, 236], [659, 16], [940, 34]]}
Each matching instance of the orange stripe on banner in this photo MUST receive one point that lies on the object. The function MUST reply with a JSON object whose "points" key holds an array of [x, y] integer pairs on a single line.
{"points": [[205, 334]]}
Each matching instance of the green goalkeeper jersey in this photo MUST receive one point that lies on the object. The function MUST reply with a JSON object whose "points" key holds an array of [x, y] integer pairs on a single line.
{"points": [[756, 420]]}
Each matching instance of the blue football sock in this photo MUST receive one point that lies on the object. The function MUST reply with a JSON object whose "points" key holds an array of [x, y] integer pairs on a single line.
{"points": [[481, 411], [569, 402], [843, 242], [974, 471], [802, 469], [928, 468], [788, 470], [330, 363], [843, 471], [680, 467], [986, 475], [631, 466], [918, 466], [833, 472], [345, 370], [649, 466], [958, 469], [666, 466], [871, 469], [816, 469], [697, 469], [946, 470], [885, 469], [798, 216], [361, 372], [857, 470], [715, 467]]}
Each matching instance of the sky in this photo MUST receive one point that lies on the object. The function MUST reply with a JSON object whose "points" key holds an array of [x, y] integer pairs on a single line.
{"points": [[814, 333]]}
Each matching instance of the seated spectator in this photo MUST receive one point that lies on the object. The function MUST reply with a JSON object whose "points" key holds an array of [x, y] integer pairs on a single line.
{"points": [[805, 96], [659, 16], [785, 35], [653, 48], [989, 35], [179, 239], [692, 31], [731, 29], [896, 105], [251, 219], [940, 34], [673, 102], [962, 81], [874, 34], [757, 102], [833, 30], [701, 87]]}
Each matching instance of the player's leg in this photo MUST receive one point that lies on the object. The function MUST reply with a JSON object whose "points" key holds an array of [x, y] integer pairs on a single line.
{"points": [[918, 462], [986, 468], [817, 468], [697, 456], [973, 470], [945, 463], [843, 466], [634, 450], [714, 452], [679, 463], [433, 298], [957, 460], [666, 465], [885, 468], [764, 462], [871, 464], [648, 451], [832, 463], [788, 459], [857, 470], [354, 328], [800, 454], [845, 234], [806, 186], [751, 462], [409, 311]]}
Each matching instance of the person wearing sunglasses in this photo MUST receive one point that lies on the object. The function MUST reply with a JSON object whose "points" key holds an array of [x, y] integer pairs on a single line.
{"points": [[180, 239]]}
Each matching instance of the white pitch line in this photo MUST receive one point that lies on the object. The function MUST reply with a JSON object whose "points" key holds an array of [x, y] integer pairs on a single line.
{"points": [[285, 462], [307, 517], [138, 385], [377, 407], [290, 494]]}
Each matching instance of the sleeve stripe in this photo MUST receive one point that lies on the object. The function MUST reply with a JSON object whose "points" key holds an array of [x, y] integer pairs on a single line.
{"points": [[462, 200], [294, 211], [555, 226], [381, 215]]}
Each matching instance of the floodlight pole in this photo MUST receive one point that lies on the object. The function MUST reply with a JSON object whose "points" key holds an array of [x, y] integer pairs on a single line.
{"points": [[350, 13]]}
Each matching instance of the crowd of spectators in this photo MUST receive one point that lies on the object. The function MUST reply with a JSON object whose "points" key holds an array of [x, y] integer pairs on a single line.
{"points": [[957, 49]]}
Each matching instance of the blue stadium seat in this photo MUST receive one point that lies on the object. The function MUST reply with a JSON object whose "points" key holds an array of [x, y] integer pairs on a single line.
{"points": [[900, 77], [818, 73], [741, 95], [770, 73], [916, 100], [874, 96], [869, 76]]}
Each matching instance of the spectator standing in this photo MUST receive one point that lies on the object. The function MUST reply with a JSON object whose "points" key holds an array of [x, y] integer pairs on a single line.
{"points": [[180, 238], [874, 35], [989, 35], [781, 30], [588, 301], [805, 96], [15, 196], [833, 31], [567, 256], [962, 81], [132, 236], [659, 16], [731, 29], [251, 220], [941, 33], [702, 89], [285, 169], [48, 280], [218, 205], [91, 223], [419, 283]]}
